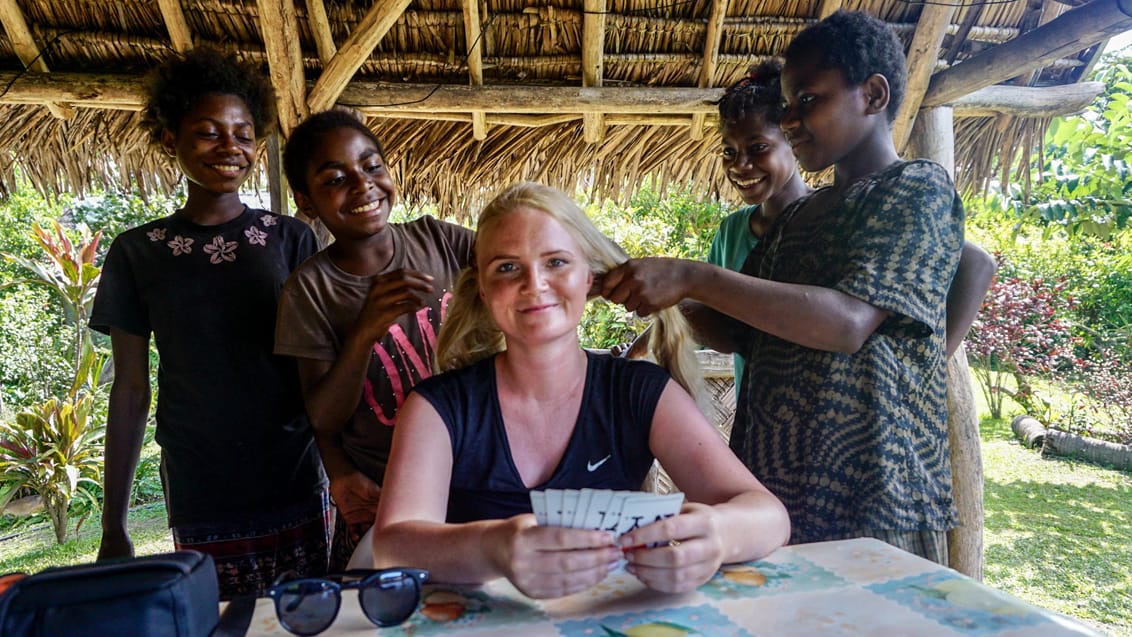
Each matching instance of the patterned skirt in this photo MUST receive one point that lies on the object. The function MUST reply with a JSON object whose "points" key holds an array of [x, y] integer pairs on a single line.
{"points": [[250, 555]]}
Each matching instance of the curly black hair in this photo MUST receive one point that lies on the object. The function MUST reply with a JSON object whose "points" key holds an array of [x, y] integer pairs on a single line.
{"points": [[175, 86], [759, 92], [859, 45], [308, 135]]}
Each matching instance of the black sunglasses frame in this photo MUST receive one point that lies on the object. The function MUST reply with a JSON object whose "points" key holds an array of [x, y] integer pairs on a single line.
{"points": [[336, 583]]}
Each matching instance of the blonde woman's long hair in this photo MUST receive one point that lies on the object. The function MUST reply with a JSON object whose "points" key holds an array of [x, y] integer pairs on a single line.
{"points": [[469, 333]]}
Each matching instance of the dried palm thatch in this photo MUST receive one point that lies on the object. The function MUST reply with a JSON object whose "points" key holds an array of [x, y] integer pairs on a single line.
{"points": [[413, 65]]}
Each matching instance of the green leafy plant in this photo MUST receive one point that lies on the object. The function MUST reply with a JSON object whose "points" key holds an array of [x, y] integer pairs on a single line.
{"points": [[54, 449], [1019, 333], [71, 276], [1085, 171]]}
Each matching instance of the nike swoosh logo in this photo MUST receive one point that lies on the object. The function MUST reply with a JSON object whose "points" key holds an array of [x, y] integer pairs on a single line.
{"points": [[592, 466]]}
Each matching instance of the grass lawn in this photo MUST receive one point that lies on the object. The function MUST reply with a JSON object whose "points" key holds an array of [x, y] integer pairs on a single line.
{"points": [[31, 548], [1058, 532]]}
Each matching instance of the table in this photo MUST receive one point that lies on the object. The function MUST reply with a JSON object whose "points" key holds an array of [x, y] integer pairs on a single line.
{"points": [[850, 587]]}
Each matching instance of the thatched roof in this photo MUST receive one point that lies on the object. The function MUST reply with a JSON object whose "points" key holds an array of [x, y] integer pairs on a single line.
{"points": [[468, 95]]}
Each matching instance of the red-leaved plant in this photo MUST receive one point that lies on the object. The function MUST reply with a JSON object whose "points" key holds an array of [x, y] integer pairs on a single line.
{"points": [[1020, 332]]}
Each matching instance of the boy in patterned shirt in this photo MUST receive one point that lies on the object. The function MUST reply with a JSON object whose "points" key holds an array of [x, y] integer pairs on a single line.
{"points": [[840, 309]]}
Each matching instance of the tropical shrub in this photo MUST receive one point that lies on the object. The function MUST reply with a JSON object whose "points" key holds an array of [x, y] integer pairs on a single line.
{"points": [[1021, 331], [1102, 387], [54, 449], [1084, 174]]}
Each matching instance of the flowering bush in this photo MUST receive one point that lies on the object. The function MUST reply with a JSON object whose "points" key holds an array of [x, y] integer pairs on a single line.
{"points": [[1020, 332], [1107, 382]]}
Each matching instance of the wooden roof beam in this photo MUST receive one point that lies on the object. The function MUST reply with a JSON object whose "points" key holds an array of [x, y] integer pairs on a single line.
{"points": [[593, 64], [1073, 31], [127, 92], [354, 51], [1025, 101], [922, 56], [827, 8], [473, 33], [176, 25], [280, 29], [1051, 9], [320, 30], [711, 58], [28, 51]]}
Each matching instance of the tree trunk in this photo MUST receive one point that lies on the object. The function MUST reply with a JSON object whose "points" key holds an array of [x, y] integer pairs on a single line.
{"points": [[965, 542], [57, 511], [1031, 432], [1092, 450]]}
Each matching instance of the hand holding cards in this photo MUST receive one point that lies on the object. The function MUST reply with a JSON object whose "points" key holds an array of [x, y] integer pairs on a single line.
{"points": [[603, 510]]}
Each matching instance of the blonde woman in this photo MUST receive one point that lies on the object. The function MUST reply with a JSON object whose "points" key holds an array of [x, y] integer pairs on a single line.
{"points": [[524, 407]]}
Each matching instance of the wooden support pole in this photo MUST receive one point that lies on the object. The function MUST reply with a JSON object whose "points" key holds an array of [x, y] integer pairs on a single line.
{"points": [[922, 57], [934, 139], [711, 58], [1073, 31], [320, 30], [473, 34], [965, 542], [280, 26], [593, 65], [276, 180]]}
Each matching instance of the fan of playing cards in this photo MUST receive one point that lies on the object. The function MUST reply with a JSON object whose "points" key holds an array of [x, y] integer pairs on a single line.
{"points": [[602, 509]]}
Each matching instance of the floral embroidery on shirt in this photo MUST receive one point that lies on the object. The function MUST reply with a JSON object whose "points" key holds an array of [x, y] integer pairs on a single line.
{"points": [[221, 250], [180, 245], [268, 220], [157, 234], [256, 236]]}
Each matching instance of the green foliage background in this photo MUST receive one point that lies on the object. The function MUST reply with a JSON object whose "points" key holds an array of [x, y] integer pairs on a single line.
{"points": [[674, 223]]}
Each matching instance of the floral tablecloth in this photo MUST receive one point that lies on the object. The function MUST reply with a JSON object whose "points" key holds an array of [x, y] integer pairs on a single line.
{"points": [[851, 587]]}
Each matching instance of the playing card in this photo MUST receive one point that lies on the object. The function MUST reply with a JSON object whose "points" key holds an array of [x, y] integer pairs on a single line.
{"points": [[554, 507], [580, 506], [595, 511], [609, 522], [538, 505], [642, 509], [569, 504]]}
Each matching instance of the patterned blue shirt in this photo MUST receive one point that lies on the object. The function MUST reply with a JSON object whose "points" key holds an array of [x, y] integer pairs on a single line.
{"points": [[858, 442]]}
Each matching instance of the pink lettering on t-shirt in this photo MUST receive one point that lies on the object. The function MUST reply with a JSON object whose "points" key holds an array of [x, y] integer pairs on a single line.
{"points": [[418, 363]]}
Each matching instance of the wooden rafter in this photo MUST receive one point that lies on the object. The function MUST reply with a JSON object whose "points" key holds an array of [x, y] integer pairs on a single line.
{"points": [[827, 8], [1073, 31], [667, 106], [1051, 9], [27, 50], [959, 38], [1026, 101], [176, 24], [593, 64], [922, 55], [280, 26], [473, 33], [336, 74], [711, 58], [320, 30]]}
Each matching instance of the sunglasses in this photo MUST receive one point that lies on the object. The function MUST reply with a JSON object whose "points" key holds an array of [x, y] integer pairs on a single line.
{"points": [[308, 606]]}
